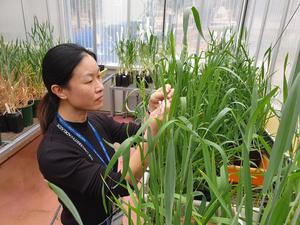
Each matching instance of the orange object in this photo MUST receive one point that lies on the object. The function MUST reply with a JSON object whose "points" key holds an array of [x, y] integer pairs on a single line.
{"points": [[257, 174]]}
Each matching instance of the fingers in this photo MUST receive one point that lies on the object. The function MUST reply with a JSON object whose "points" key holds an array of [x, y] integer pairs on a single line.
{"points": [[158, 95], [170, 94], [162, 108], [165, 106], [167, 86]]}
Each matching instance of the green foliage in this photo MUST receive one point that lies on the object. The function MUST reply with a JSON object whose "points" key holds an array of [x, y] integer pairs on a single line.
{"points": [[40, 40], [20, 64], [147, 52], [219, 110], [126, 50]]}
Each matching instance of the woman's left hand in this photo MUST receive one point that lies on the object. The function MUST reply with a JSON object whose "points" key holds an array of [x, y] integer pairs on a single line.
{"points": [[158, 96]]}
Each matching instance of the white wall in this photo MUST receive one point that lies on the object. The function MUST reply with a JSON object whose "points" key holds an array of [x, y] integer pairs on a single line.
{"points": [[16, 16], [11, 20]]}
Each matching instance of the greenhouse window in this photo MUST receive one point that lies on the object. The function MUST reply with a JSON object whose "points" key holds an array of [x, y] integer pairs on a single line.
{"points": [[97, 24], [115, 18]]}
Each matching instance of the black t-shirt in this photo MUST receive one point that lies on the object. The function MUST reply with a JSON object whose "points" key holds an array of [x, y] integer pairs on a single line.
{"points": [[63, 162]]}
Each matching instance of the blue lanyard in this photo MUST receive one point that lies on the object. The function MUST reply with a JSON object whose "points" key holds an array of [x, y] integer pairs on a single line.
{"points": [[84, 140]]}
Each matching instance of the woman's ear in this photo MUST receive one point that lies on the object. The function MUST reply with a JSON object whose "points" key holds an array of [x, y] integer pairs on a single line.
{"points": [[59, 91]]}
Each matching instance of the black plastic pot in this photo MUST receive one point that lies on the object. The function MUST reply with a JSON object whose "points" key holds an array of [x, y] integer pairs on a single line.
{"points": [[203, 188], [139, 80], [35, 106], [3, 124], [101, 67], [148, 79], [130, 78], [14, 121], [125, 80], [146, 83], [118, 80], [255, 155], [27, 114]]}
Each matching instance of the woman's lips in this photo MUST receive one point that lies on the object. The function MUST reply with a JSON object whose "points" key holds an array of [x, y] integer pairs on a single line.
{"points": [[99, 98]]}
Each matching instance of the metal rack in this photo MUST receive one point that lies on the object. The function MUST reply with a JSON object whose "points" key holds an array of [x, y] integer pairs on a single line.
{"points": [[126, 92]]}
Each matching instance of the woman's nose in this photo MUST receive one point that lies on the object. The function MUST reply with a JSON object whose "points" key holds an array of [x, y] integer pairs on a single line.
{"points": [[99, 86]]}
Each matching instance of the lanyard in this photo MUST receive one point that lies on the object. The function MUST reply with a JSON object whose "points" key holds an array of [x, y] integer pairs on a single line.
{"points": [[84, 140]]}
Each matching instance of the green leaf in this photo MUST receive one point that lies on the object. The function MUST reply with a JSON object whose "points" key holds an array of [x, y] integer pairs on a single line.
{"points": [[172, 46], [210, 210], [297, 68], [66, 201], [188, 207], [281, 209], [221, 115], [197, 21], [285, 83], [124, 150], [186, 16], [218, 194], [183, 106], [170, 179], [286, 130]]}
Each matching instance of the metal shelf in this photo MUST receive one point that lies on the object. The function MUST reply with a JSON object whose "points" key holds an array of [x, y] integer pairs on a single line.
{"points": [[11, 146]]}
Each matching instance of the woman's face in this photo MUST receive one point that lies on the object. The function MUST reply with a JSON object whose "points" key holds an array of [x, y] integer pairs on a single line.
{"points": [[85, 89]]}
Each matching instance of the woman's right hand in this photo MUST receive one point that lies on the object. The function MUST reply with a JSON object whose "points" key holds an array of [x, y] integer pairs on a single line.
{"points": [[161, 110], [158, 96]]}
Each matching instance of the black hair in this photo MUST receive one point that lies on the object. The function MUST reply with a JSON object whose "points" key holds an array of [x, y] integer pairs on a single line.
{"points": [[57, 68]]}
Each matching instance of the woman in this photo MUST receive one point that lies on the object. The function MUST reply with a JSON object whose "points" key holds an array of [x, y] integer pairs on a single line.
{"points": [[73, 154]]}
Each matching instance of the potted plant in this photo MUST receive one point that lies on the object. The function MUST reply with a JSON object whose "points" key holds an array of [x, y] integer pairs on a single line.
{"points": [[120, 51], [9, 58], [118, 78], [126, 50], [21, 70], [24, 100], [130, 57], [13, 117], [220, 106], [147, 53], [40, 39]]}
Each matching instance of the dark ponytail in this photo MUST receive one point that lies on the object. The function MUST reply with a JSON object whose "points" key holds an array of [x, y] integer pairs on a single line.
{"points": [[57, 68], [47, 110]]}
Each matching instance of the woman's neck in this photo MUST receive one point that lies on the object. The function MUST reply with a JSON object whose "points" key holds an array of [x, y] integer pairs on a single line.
{"points": [[71, 114]]}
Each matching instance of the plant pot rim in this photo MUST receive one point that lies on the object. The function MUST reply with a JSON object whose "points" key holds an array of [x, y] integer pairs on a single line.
{"points": [[257, 174], [18, 111], [29, 104]]}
